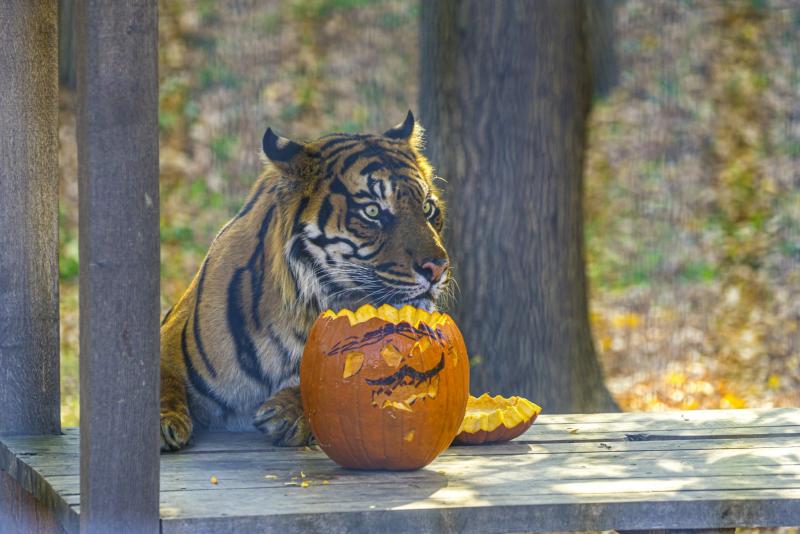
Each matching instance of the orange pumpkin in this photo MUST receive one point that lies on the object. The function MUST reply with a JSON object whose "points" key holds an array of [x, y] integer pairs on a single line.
{"points": [[491, 419], [384, 388]]}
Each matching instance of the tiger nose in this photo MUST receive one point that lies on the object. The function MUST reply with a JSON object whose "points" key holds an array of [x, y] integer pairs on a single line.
{"points": [[434, 269]]}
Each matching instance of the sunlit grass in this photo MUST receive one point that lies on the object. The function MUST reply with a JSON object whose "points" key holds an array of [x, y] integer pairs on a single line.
{"points": [[70, 412]]}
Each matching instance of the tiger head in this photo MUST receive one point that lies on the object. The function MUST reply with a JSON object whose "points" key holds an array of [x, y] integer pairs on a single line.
{"points": [[366, 219]]}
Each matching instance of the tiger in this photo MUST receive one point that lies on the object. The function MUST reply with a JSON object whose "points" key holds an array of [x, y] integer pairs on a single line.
{"points": [[333, 223]]}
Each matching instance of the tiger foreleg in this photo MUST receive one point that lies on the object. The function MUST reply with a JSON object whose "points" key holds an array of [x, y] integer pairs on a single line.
{"points": [[176, 423], [281, 419]]}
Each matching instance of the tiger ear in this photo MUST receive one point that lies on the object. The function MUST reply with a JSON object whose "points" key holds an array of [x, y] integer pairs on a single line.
{"points": [[280, 150], [404, 130]]}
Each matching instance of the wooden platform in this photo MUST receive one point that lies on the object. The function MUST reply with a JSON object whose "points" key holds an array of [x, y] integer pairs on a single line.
{"points": [[702, 469]]}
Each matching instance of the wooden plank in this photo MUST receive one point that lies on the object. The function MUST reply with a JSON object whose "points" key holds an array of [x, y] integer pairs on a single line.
{"points": [[583, 435], [178, 470], [29, 383], [324, 500], [600, 512], [544, 429], [49, 449], [42, 452], [601, 427], [550, 479], [117, 71], [512, 514], [547, 429], [21, 512], [255, 441], [744, 417], [39, 488]]}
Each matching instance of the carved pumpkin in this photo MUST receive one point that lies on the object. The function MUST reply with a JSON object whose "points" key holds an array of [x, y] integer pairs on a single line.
{"points": [[384, 388], [491, 419]]}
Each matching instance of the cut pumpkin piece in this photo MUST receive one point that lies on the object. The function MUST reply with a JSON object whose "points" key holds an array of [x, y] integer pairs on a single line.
{"points": [[352, 364], [492, 419]]}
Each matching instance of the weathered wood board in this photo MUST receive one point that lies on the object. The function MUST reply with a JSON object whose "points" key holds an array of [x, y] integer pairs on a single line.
{"points": [[29, 392], [704, 469], [116, 53]]}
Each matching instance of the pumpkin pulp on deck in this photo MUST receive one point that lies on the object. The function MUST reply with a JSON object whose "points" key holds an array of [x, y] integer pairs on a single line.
{"points": [[491, 419]]}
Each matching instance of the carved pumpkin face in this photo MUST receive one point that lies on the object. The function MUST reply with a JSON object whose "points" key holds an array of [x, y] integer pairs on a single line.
{"points": [[384, 388]]}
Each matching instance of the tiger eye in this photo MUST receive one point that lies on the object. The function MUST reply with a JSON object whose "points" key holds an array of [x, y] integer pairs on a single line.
{"points": [[427, 208], [372, 211]]}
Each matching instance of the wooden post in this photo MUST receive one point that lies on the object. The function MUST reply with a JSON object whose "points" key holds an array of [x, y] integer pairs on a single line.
{"points": [[29, 386], [117, 74], [29, 391]]}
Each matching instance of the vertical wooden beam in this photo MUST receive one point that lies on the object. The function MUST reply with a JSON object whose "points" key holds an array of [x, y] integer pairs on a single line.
{"points": [[29, 388], [117, 72], [29, 349]]}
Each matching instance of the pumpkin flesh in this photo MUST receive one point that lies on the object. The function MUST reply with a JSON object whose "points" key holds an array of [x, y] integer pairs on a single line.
{"points": [[492, 419], [384, 388]]}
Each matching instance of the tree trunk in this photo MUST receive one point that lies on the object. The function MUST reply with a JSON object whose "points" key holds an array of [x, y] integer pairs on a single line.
{"points": [[504, 95], [66, 43], [600, 19]]}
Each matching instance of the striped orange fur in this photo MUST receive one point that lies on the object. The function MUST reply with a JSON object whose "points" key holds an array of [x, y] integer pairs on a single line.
{"points": [[337, 222]]}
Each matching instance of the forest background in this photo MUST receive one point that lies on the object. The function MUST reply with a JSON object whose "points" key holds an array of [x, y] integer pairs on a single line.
{"points": [[691, 180]]}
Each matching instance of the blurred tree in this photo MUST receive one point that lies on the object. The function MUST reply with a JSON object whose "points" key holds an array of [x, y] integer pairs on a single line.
{"points": [[504, 93], [66, 39], [603, 65]]}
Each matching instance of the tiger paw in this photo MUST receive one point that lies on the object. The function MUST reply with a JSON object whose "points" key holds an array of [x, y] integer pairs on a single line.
{"points": [[176, 430], [281, 418]]}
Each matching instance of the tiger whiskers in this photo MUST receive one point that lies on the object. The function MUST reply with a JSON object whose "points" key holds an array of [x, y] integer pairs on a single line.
{"points": [[447, 293], [348, 284], [355, 278]]}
